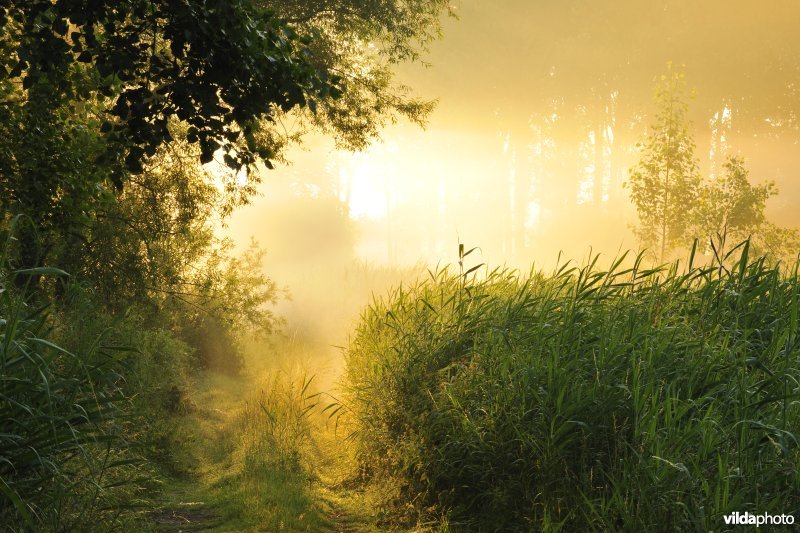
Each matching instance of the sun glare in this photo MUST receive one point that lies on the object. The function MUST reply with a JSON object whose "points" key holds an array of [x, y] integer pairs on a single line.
{"points": [[365, 178]]}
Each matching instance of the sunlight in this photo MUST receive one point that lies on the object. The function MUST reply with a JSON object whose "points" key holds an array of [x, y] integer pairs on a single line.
{"points": [[364, 179]]}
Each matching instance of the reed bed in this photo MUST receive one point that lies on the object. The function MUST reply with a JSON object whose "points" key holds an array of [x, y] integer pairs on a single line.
{"points": [[64, 465], [624, 398]]}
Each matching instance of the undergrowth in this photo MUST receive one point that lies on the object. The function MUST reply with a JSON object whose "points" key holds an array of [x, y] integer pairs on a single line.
{"points": [[625, 398], [65, 461]]}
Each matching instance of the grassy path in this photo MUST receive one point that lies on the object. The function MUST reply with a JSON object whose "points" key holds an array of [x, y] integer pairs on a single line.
{"points": [[229, 475], [343, 502], [188, 501], [181, 511]]}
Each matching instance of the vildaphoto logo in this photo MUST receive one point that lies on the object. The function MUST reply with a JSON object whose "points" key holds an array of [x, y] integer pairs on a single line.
{"points": [[749, 519]]}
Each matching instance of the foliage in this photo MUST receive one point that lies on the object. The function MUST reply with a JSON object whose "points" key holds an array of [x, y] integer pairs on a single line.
{"points": [[585, 400], [156, 232], [65, 464], [84, 85], [229, 304], [48, 174], [217, 67], [676, 206], [361, 41], [665, 183], [108, 113], [162, 84], [730, 205]]}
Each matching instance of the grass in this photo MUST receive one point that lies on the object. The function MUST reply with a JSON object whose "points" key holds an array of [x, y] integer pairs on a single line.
{"points": [[64, 462], [588, 399], [253, 453], [619, 398], [229, 472]]}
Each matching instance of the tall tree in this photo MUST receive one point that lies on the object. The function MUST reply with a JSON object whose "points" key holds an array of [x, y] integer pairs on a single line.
{"points": [[664, 185]]}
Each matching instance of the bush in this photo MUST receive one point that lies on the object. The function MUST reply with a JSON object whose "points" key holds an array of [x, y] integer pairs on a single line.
{"points": [[627, 399]]}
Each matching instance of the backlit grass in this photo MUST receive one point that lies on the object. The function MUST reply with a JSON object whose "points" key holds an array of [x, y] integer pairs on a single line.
{"points": [[627, 398]]}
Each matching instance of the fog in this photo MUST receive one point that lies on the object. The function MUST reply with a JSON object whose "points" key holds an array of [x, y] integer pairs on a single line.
{"points": [[541, 105]]}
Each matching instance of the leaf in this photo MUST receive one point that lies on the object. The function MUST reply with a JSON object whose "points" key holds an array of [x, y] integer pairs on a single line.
{"points": [[42, 271], [206, 157], [230, 162], [473, 269], [19, 505], [133, 162]]}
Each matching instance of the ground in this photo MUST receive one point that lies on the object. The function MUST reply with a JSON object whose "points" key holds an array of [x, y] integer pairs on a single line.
{"points": [[226, 475]]}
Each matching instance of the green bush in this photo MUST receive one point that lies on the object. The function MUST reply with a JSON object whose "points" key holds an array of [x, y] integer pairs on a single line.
{"points": [[629, 399]]}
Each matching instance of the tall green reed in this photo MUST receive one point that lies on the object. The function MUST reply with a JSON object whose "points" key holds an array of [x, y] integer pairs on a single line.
{"points": [[626, 397], [60, 450]]}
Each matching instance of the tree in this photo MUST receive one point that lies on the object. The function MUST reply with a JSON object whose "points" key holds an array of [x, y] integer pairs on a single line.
{"points": [[676, 206], [219, 67], [90, 91], [362, 41], [665, 184], [732, 207]]}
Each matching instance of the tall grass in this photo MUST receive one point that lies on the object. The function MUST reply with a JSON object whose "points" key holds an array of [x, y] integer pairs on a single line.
{"points": [[61, 455], [64, 463], [588, 399]]}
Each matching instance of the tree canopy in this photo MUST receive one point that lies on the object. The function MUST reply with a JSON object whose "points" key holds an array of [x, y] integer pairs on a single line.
{"points": [[219, 67], [361, 42], [95, 93]]}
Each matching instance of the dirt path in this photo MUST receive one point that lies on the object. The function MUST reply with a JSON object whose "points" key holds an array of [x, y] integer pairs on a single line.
{"points": [[185, 516]]}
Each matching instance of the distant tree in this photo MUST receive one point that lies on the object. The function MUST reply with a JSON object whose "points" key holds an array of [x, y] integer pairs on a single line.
{"points": [[675, 205], [665, 184], [731, 206]]}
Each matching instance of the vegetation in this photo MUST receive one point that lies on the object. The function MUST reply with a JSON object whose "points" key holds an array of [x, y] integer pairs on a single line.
{"points": [[243, 455], [730, 205], [146, 382], [630, 398], [667, 179], [66, 464], [676, 206], [112, 118]]}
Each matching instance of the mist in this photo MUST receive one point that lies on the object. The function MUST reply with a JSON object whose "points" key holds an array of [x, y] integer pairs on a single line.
{"points": [[521, 265], [540, 109]]}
